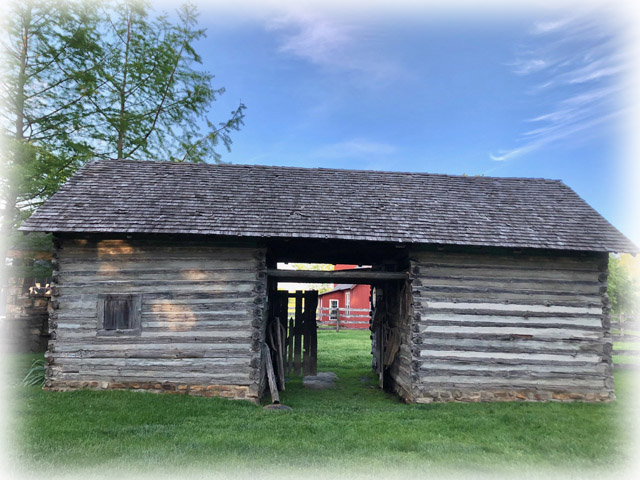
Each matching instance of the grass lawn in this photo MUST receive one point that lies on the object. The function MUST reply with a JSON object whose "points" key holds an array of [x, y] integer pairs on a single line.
{"points": [[627, 359], [353, 426]]}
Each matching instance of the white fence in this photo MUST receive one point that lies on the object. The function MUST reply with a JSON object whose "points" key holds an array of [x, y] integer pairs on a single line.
{"points": [[337, 318]]}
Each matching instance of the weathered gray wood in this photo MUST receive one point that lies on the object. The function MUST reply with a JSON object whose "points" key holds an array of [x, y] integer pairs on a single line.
{"points": [[297, 342], [306, 336], [290, 346], [507, 273], [504, 320], [508, 356], [539, 307], [492, 382], [516, 345], [536, 333], [509, 322], [561, 286], [313, 347], [336, 276], [273, 386], [199, 315], [540, 261], [515, 370], [280, 338]]}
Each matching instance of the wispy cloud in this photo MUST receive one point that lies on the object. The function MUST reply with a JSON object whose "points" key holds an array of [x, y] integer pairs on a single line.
{"points": [[575, 68], [335, 45], [545, 27], [354, 148], [312, 38]]}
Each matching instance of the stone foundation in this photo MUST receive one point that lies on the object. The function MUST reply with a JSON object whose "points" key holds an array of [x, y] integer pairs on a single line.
{"points": [[235, 392], [438, 396], [403, 393]]}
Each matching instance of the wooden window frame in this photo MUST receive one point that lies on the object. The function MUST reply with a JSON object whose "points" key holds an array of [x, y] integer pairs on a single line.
{"points": [[347, 303], [335, 309], [136, 312]]}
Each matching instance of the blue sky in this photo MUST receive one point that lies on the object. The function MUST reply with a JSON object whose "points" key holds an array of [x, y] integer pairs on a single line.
{"points": [[532, 93]]}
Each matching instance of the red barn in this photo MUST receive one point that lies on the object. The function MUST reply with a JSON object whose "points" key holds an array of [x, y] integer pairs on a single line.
{"points": [[347, 301]]}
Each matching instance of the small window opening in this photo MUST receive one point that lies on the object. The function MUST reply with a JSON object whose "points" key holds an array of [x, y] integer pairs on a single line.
{"points": [[119, 314]]}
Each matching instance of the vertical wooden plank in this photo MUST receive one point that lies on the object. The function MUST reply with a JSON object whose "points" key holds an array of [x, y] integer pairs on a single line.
{"points": [[313, 331], [280, 353], [282, 310], [109, 315], [380, 357], [306, 321], [271, 378], [122, 312], [290, 352], [297, 348]]}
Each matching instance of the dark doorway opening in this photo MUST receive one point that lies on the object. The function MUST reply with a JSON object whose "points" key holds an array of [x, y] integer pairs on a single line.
{"points": [[291, 332]]}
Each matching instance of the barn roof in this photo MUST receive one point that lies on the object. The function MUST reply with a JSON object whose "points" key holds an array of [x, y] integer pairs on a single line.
{"points": [[339, 287], [286, 202]]}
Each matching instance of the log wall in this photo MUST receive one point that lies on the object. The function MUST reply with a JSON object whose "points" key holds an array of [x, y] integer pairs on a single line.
{"points": [[202, 309], [401, 318], [490, 327]]}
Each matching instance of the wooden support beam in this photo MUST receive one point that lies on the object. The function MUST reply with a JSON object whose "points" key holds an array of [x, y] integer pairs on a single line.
{"points": [[356, 275]]}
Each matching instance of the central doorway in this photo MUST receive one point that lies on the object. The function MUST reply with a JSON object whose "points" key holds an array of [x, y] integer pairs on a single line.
{"points": [[295, 316]]}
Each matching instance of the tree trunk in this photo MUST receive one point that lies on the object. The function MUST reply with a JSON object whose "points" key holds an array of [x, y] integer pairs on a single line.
{"points": [[122, 127], [10, 195]]}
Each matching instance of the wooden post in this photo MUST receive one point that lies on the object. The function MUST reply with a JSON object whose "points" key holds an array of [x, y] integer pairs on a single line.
{"points": [[273, 386], [313, 300], [306, 322], [280, 353], [297, 348], [290, 353], [338, 319]]}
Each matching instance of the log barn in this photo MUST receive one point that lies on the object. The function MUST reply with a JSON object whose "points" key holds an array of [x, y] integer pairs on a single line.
{"points": [[484, 289]]}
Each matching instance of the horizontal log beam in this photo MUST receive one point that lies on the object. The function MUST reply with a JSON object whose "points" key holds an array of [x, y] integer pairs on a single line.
{"points": [[356, 275]]}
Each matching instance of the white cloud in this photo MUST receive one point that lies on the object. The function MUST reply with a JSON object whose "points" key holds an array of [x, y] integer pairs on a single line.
{"points": [[315, 39], [554, 134], [546, 27], [577, 68], [335, 45], [525, 67]]}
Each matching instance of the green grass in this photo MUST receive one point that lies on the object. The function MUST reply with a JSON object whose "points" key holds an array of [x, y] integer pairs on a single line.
{"points": [[626, 346], [626, 359], [633, 359], [353, 426]]}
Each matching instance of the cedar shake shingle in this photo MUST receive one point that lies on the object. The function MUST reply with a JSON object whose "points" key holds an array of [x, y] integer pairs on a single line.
{"points": [[285, 202]]}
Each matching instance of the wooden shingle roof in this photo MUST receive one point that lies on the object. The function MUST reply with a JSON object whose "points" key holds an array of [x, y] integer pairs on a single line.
{"points": [[285, 202]]}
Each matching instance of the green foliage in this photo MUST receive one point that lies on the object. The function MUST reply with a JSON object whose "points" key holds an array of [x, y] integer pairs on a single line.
{"points": [[622, 289], [45, 48], [36, 374], [28, 267], [86, 79], [320, 287], [352, 427], [149, 99], [90, 79]]}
